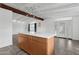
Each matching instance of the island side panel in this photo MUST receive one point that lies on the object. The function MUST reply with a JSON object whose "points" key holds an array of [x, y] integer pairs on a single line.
{"points": [[51, 45]]}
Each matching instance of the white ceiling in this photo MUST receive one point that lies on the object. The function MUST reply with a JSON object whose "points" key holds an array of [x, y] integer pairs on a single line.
{"points": [[46, 10]]}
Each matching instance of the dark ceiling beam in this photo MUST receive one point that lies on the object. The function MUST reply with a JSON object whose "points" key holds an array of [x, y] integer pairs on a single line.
{"points": [[19, 11]]}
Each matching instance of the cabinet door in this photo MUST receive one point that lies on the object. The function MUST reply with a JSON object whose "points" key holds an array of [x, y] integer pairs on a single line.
{"points": [[64, 28], [27, 44], [22, 41], [36, 46], [60, 29]]}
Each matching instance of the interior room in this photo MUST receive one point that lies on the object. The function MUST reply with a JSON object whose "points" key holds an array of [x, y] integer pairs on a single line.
{"points": [[39, 28]]}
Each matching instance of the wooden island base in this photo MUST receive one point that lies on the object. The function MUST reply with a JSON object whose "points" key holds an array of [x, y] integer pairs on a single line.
{"points": [[36, 45]]}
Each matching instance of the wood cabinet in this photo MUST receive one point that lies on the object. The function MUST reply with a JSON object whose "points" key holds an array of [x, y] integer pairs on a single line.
{"points": [[36, 45]]}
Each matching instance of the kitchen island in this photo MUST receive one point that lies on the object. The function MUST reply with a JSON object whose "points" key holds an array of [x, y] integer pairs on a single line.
{"points": [[36, 44]]}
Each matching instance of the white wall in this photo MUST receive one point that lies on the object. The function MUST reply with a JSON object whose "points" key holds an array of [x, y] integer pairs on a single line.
{"points": [[63, 28], [76, 27], [21, 27], [17, 28], [48, 26], [5, 27]]}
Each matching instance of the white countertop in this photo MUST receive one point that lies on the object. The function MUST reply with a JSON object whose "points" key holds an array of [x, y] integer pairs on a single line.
{"points": [[39, 34]]}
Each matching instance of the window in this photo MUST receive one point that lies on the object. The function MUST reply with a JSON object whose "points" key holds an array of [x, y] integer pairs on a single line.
{"points": [[32, 27]]}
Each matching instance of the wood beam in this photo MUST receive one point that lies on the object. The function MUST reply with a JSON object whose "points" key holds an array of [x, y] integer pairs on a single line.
{"points": [[19, 11]]}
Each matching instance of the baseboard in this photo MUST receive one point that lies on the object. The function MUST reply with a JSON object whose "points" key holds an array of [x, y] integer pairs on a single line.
{"points": [[63, 38]]}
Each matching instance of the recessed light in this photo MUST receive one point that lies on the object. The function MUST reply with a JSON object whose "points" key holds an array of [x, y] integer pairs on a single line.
{"points": [[23, 22], [18, 21], [14, 20]]}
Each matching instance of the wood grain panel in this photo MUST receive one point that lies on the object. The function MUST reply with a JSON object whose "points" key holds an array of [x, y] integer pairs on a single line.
{"points": [[36, 45], [50, 45]]}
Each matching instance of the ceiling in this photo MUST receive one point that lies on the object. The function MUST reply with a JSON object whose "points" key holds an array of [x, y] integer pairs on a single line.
{"points": [[46, 10]]}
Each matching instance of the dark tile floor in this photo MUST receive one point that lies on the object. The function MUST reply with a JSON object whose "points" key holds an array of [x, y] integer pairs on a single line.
{"points": [[66, 47], [62, 47]]}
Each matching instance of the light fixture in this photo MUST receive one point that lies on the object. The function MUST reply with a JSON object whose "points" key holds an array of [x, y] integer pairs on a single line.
{"points": [[13, 20], [18, 21], [23, 22]]}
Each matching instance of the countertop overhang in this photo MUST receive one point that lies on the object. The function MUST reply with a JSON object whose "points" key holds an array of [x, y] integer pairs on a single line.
{"points": [[38, 34]]}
